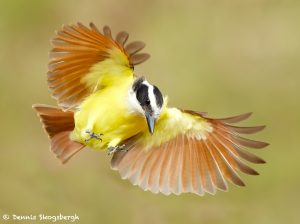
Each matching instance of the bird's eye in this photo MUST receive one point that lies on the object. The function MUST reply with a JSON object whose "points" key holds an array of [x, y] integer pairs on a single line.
{"points": [[147, 102]]}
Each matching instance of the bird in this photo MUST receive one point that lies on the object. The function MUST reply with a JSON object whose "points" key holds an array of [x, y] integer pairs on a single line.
{"points": [[103, 104]]}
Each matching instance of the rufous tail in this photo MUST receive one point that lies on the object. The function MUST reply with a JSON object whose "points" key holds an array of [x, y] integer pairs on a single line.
{"points": [[58, 125]]}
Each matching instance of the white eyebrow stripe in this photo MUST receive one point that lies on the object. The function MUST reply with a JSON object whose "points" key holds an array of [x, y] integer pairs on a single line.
{"points": [[152, 97]]}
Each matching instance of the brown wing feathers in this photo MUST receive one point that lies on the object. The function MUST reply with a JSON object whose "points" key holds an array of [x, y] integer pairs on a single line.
{"points": [[186, 164], [76, 48], [183, 164]]}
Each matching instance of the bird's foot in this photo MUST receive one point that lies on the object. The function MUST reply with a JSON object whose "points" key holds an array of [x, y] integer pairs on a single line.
{"points": [[119, 148], [93, 135]]}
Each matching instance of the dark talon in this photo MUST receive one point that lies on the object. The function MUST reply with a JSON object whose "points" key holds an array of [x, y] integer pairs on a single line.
{"points": [[93, 135], [118, 148]]}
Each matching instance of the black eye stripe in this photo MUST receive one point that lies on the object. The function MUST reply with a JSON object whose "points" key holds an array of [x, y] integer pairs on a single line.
{"points": [[158, 96], [136, 85], [142, 94]]}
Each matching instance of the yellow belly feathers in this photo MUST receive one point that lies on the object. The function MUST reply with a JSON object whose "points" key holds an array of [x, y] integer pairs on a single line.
{"points": [[107, 112]]}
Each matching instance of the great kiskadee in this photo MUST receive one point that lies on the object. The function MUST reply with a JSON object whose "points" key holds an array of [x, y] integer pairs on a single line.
{"points": [[103, 105]]}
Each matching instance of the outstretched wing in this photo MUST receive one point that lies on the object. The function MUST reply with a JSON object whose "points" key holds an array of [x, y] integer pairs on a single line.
{"points": [[83, 60], [188, 153]]}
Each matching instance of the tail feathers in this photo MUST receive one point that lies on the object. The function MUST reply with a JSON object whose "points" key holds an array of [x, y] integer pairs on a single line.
{"points": [[63, 147], [58, 125]]}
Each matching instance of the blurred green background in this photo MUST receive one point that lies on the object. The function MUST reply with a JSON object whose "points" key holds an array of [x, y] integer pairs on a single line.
{"points": [[224, 57]]}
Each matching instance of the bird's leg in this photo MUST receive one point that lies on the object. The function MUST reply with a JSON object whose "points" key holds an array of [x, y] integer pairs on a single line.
{"points": [[119, 148], [93, 135]]}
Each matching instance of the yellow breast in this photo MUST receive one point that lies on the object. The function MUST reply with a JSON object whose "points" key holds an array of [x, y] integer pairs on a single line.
{"points": [[107, 112]]}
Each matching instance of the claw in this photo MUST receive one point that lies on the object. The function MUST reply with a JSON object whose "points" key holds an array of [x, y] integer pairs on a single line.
{"points": [[118, 148], [93, 135]]}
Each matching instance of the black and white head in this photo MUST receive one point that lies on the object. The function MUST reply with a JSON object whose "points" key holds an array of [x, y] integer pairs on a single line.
{"points": [[146, 99]]}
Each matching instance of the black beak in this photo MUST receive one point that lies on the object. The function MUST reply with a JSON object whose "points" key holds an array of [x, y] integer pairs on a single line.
{"points": [[150, 122]]}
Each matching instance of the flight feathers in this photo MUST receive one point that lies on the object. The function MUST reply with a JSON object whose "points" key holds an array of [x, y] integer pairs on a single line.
{"points": [[90, 72], [196, 163], [80, 58], [58, 125]]}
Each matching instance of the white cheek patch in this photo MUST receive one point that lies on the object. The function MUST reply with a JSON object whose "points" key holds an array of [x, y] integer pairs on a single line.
{"points": [[133, 103]]}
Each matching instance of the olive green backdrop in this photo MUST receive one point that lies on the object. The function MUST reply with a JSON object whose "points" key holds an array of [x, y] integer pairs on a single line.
{"points": [[224, 57]]}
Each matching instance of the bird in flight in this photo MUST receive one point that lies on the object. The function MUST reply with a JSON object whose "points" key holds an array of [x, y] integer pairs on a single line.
{"points": [[104, 105]]}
